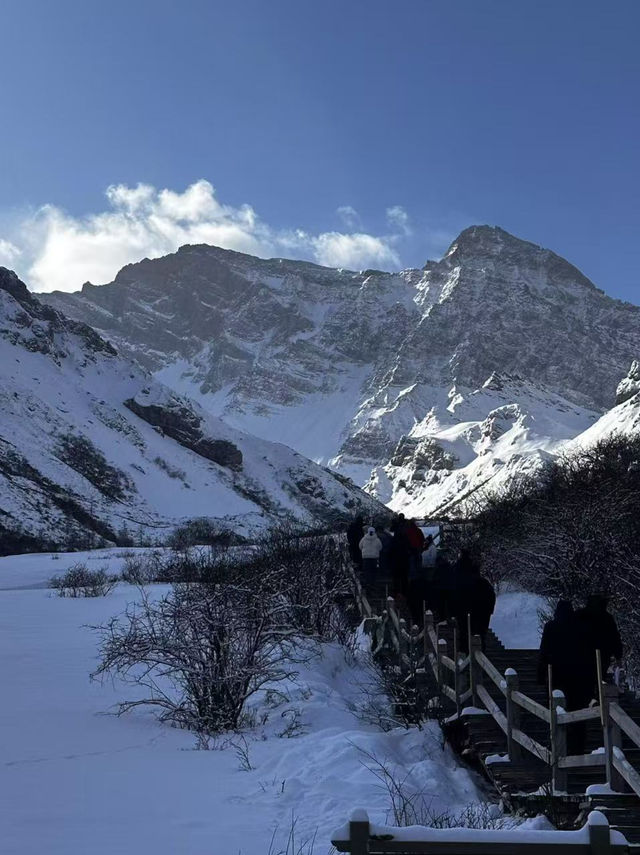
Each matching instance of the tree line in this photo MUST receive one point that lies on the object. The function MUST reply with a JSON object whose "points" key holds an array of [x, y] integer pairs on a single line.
{"points": [[570, 530]]}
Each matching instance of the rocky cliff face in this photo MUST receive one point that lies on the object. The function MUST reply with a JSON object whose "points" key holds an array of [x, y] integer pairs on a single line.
{"points": [[93, 449], [360, 370], [629, 385]]}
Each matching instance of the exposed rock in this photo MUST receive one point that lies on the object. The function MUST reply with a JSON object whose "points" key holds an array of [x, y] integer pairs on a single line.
{"points": [[38, 327], [630, 385], [176, 419], [422, 453]]}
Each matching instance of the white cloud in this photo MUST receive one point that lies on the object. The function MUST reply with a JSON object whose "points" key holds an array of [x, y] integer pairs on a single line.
{"points": [[355, 251], [53, 250], [349, 216], [398, 218], [9, 253]]}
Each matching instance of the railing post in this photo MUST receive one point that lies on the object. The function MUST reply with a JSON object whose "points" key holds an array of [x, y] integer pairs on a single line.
{"points": [[413, 652], [456, 669], [442, 651], [402, 645], [359, 832], [558, 742], [391, 604], [383, 629], [428, 627], [599, 833], [513, 714], [612, 736], [393, 616], [475, 671]]}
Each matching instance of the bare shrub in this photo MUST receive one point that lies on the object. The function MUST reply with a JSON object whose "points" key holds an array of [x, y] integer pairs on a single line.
{"points": [[293, 843], [200, 651], [387, 700], [79, 581], [172, 471], [202, 531], [241, 749], [312, 574], [142, 569], [236, 620], [410, 806], [309, 573]]}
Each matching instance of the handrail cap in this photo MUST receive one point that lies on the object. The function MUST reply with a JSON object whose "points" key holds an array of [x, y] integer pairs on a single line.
{"points": [[360, 815]]}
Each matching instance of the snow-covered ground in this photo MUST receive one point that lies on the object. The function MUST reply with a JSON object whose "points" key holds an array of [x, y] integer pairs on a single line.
{"points": [[516, 619], [34, 570], [75, 780]]}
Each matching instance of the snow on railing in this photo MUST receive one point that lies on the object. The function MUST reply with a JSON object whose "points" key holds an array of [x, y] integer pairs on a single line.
{"points": [[460, 679], [360, 837]]}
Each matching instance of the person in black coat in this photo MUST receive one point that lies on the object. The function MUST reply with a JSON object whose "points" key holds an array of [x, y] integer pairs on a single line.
{"points": [[483, 603], [474, 597], [600, 631], [386, 539], [439, 594], [564, 646], [355, 533], [400, 557]]}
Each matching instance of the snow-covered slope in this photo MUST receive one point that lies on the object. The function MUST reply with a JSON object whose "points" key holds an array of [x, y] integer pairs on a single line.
{"points": [[361, 370], [91, 444], [621, 420], [482, 439]]}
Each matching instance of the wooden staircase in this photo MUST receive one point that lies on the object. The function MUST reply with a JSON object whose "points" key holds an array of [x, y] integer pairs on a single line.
{"points": [[526, 781]]}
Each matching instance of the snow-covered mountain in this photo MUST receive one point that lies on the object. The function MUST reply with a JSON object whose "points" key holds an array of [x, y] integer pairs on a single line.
{"points": [[621, 420], [90, 442], [420, 385]]}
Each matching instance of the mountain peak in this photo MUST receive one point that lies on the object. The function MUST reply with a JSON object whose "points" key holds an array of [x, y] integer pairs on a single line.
{"points": [[14, 286], [489, 240], [478, 243]]}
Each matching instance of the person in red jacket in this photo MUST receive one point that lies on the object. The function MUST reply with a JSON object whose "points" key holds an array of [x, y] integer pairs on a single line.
{"points": [[416, 545]]}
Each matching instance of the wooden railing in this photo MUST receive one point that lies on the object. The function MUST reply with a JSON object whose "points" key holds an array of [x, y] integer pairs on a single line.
{"points": [[360, 837], [461, 679]]}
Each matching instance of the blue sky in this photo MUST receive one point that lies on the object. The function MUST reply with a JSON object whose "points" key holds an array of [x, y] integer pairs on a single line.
{"points": [[446, 113]]}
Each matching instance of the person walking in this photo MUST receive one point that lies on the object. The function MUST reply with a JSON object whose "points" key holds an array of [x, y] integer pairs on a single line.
{"points": [[415, 538], [460, 579], [440, 591], [384, 559], [400, 557], [370, 549], [564, 646], [474, 600], [601, 632], [355, 533]]}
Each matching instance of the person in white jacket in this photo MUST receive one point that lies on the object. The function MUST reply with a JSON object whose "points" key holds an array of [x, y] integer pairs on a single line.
{"points": [[370, 547]]}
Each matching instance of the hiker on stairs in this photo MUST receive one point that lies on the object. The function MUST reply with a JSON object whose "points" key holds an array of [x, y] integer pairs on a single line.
{"points": [[473, 595], [565, 647], [370, 549]]}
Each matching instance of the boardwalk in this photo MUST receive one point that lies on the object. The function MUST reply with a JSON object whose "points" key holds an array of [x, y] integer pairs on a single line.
{"points": [[495, 706]]}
